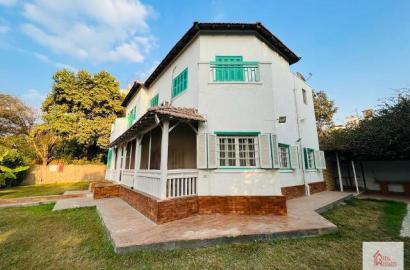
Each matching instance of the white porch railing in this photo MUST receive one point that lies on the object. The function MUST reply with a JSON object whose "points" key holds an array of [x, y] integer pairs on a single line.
{"points": [[148, 181], [110, 174], [127, 177], [181, 183]]}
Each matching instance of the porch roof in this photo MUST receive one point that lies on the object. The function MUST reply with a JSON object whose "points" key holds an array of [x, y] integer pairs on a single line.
{"points": [[163, 112]]}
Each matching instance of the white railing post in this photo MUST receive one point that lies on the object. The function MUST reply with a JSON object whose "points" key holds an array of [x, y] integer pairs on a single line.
{"points": [[164, 158]]}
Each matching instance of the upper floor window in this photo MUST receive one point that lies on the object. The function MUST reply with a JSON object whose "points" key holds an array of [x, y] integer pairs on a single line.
{"points": [[131, 116], [237, 151], [233, 68], [304, 95], [154, 101], [180, 83]]}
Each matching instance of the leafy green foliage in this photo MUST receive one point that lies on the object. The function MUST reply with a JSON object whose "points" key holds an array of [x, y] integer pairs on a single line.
{"points": [[9, 173], [324, 112], [81, 108], [384, 136]]}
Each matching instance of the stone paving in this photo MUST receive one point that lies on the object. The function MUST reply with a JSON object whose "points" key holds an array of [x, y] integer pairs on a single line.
{"points": [[405, 226], [36, 200], [130, 230]]}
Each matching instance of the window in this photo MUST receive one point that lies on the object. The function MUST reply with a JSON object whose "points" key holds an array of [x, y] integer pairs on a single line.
{"points": [[284, 156], [304, 95], [180, 83], [109, 158], [309, 159], [131, 116], [229, 68], [154, 100], [237, 151]]}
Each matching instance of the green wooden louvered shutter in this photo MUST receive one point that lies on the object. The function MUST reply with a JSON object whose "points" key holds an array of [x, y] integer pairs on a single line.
{"points": [[227, 71], [155, 100], [180, 83], [109, 158]]}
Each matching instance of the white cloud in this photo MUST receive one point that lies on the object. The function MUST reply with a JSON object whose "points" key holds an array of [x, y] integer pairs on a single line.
{"points": [[143, 75], [96, 30], [8, 3], [34, 98], [46, 59]]}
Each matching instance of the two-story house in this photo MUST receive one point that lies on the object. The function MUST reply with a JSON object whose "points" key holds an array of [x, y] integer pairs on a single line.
{"points": [[222, 125]]}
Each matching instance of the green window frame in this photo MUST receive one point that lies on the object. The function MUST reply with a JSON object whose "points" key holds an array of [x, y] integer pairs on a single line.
{"points": [[309, 155], [131, 116], [109, 158], [229, 68], [284, 156], [154, 101], [180, 83]]}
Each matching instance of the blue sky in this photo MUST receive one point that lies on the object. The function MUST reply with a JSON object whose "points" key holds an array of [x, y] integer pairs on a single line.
{"points": [[357, 51]]}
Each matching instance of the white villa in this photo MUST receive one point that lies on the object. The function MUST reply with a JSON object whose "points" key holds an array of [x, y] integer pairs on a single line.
{"points": [[222, 125]]}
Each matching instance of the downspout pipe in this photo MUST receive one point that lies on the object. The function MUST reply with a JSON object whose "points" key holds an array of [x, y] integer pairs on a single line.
{"points": [[307, 187]]}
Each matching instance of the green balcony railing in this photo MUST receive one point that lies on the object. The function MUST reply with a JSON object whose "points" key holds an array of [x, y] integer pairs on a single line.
{"points": [[234, 71]]}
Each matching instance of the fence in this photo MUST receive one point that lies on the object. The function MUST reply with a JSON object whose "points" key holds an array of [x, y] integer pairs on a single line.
{"points": [[64, 173]]}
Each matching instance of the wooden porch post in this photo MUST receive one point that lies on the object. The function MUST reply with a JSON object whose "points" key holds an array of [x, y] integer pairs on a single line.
{"points": [[138, 153], [338, 172], [355, 177], [164, 158]]}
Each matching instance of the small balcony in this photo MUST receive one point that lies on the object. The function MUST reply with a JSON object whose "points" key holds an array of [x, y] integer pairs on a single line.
{"points": [[238, 72]]}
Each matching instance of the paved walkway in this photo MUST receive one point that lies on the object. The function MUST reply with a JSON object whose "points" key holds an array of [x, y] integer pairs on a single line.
{"points": [[130, 230], [35, 200], [405, 226]]}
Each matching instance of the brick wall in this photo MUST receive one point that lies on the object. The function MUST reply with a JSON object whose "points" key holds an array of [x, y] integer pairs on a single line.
{"points": [[299, 191], [105, 191], [243, 205], [161, 211]]}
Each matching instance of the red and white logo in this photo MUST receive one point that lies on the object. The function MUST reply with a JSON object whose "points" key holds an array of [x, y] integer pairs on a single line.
{"points": [[383, 255]]}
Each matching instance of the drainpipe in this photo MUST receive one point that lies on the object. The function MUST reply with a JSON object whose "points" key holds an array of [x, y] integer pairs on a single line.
{"points": [[307, 187]]}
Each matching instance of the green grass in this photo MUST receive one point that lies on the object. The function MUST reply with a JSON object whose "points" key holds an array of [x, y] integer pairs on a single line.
{"points": [[40, 190], [36, 238]]}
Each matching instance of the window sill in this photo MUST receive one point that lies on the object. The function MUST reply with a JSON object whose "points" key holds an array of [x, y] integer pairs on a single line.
{"points": [[235, 82], [233, 170], [286, 170], [311, 170], [179, 95]]}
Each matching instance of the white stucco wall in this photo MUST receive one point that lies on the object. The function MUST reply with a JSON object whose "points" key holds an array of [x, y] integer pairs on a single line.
{"points": [[240, 107]]}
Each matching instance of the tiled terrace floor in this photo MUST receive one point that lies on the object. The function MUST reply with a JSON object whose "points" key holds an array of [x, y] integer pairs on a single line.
{"points": [[130, 230]]}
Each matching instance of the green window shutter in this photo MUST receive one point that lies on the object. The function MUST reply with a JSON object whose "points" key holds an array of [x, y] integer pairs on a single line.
{"points": [[155, 100], [109, 158], [226, 72], [180, 83]]}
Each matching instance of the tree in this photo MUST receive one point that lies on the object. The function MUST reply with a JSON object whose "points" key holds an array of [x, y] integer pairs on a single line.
{"points": [[81, 109], [385, 136], [44, 141], [325, 109], [16, 118], [9, 173]]}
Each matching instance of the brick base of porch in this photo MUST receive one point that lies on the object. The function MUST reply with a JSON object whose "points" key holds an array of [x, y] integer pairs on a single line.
{"points": [[299, 191], [162, 211]]}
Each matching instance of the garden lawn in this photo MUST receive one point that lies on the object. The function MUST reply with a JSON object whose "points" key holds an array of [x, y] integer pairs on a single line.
{"points": [[36, 238], [40, 190]]}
